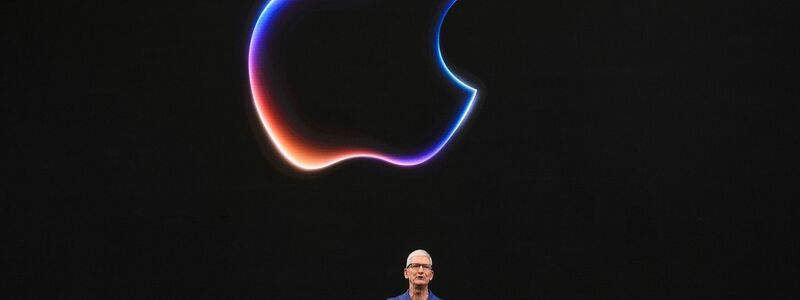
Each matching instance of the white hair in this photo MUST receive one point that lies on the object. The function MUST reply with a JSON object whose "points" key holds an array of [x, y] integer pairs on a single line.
{"points": [[418, 252]]}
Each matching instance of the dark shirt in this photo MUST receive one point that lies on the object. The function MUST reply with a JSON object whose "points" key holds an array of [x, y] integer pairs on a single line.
{"points": [[407, 296]]}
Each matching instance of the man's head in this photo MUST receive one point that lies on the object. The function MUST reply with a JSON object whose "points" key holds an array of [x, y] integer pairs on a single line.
{"points": [[419, 268]]}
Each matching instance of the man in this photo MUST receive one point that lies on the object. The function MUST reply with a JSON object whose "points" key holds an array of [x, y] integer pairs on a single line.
{"points": [[419, 272]]}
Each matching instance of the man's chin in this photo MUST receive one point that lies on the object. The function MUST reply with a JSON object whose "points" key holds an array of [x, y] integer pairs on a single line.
{"points": [[420, 282]]}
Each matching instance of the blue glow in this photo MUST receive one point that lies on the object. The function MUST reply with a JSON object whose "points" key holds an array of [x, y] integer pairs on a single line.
{"points": [[301, 153]]}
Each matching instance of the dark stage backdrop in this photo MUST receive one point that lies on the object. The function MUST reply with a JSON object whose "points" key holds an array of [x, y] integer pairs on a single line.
{"points": [[640, 150]]}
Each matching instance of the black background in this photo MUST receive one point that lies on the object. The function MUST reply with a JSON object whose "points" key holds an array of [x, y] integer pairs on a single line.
{"points": [[641, 150]]}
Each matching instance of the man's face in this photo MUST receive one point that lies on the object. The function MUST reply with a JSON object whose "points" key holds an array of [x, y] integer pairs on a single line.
{"points": [[419, 272]]}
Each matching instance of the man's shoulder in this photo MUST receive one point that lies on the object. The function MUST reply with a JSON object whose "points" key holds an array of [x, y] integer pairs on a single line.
{"points": [[403, 296]]}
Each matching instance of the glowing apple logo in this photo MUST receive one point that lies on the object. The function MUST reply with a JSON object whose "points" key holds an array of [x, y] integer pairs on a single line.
{"points": [[308, 154]]}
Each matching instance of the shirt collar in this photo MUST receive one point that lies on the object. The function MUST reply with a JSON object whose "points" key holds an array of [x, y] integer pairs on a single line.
{"points": [[431, 296]]}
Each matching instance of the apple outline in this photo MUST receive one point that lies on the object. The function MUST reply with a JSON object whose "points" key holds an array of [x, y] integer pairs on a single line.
{"points": [[301, 153]]}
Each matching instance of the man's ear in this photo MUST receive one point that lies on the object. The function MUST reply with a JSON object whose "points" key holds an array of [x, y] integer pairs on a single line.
{"points": [[405, 275], [431, 276]]}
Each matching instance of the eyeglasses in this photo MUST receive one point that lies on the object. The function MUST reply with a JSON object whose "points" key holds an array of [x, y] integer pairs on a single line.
{"points": [[425, 267]]}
